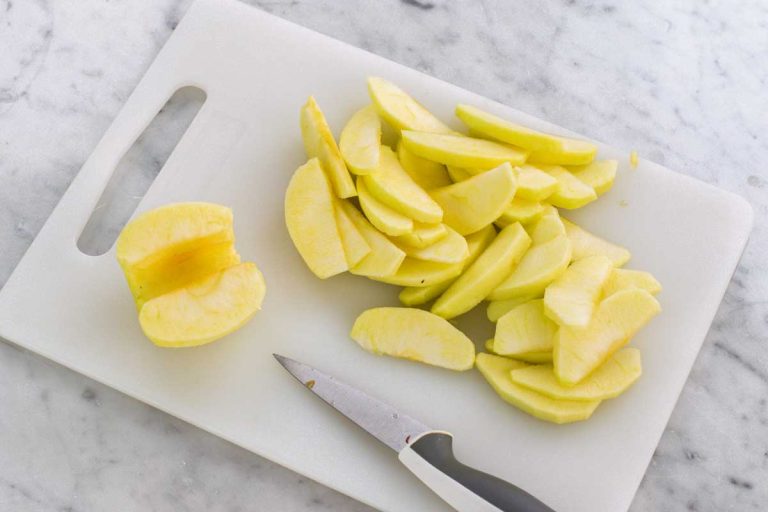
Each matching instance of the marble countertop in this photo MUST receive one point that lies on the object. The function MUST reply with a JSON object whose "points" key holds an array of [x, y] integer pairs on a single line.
{"points": [[684, 83]]}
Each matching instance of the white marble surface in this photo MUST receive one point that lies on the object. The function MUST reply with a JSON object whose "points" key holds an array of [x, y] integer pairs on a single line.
{"points": [[684, 83]]}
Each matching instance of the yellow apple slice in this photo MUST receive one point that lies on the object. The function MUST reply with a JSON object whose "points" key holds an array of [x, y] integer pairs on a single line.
{"points": [[311, 221], [458, 174], [473, 204], [360, 141], [533, 357], [476, 243], [610, 380], [525, 331], [541, 265], [384, 218], [520, 210], [496, 371], [586, 244], [599, 175], [319, 143], [489, 346], [423, 234], [498, 308], [401, 110], [461, 151], [572, 152], [547, 227], [451, 248], [580, 350], [625, 279], [355, 246], [413, 272], [426, 173], [391, 185], [534, 184], [414, 334], [204, 310], [385, 257], [571, 192], [485, 273], [571, 298]]}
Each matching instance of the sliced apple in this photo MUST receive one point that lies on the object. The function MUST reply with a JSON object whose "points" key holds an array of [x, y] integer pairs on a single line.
{"points": [[490, 268], [355, 246], [414, 334], [534, 184], [610, 380], [319, 143], [496, 371], [498, 308], [311, 221], [204, 310], [541, 265], [476, 243], [571, 192], [391, 185], [625, 279], [547, 227], [586, 244], [520, 210], [488, 345], [451, 248], [360, 141], [423, 234], [525, 332], [599, 175], [572, 152], [461, 151], [458, 174], [426, 173], [473, 204], [384, 218], [400, 110], [385, 257], [571, 298], [512, 133], [580, 350], [413, 272]]}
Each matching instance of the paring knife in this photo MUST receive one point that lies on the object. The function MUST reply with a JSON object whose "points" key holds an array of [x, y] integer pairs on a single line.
{"points": [[426, 452]]}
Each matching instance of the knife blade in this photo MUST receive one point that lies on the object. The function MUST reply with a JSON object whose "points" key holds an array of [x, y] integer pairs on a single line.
{"points": [[426, 452]]}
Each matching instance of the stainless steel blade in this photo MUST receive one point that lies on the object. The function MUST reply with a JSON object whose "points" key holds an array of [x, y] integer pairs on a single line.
{"points": [[379, 419]]}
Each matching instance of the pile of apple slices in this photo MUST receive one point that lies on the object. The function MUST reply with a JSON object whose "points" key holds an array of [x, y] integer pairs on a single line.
{"points": [[461, 219]]}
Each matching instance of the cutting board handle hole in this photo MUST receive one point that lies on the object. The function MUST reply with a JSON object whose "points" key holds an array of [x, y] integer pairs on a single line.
{"points": [[137, 170]]}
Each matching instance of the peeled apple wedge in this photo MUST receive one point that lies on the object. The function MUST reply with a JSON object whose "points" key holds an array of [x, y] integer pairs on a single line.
{"points": [[319, 143], [610, 380], [472, 204], [360, 141], [414, 334], [401, 110], [413, 272], [625, 279], [571, 192], [384, 257], [476, 243], [548, 226], [541, 265], [490, 268], [384, 218], [498, 308], [512, 133], [355, 246], [571, 298], [461, 151], [520, 210], [458, 174], [534, 184], [423, 234], [533, 358], [496, 371], [580, 350], [391, 185], [426, 173], [525, 333], [311, 221], [451, 248], [586, 244], [599, 175], [571, 152], [204, 310]]}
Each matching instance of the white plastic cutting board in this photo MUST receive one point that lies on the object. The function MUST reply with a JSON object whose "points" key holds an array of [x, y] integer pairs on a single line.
{"points": [[257, 70]]}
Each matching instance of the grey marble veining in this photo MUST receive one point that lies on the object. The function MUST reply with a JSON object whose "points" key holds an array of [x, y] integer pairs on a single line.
{"points": [[683, 82]]}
